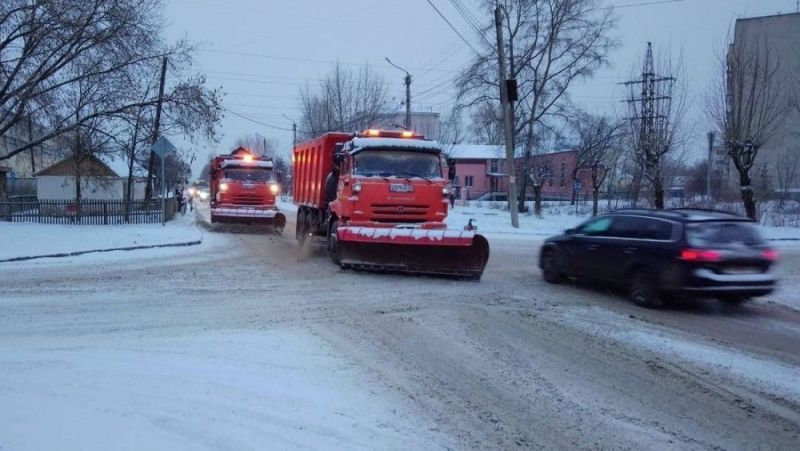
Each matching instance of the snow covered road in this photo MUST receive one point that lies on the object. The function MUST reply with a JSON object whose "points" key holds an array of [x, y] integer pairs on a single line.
{"points": [[249, 342]]}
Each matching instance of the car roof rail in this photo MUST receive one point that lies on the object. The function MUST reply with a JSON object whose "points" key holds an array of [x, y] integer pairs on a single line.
{"points": [[704, 210]]}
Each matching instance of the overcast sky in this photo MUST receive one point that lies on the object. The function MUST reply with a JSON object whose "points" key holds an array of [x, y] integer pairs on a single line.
{"points": [[261, 52]]}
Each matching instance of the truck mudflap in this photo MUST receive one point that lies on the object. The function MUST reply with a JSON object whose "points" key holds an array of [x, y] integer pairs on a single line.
{"points": [[439, 252]]}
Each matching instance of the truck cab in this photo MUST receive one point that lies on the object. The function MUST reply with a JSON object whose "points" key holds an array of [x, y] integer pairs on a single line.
{"points": [[244, 188], [385, 178]]}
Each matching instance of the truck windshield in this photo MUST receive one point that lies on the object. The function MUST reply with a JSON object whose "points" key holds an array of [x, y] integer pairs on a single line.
{"points": [[249, 174], [399, 163]]}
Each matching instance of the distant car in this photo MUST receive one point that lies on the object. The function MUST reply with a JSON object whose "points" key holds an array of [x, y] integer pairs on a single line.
{"points": [[658, 254], [200, 190]]}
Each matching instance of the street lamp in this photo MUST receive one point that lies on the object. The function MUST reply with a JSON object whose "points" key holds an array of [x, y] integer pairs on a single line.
{"points": [[408, 93]]}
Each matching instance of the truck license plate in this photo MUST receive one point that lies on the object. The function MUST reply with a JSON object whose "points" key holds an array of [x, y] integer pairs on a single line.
{"points": [[249, 185], [400, 188]]}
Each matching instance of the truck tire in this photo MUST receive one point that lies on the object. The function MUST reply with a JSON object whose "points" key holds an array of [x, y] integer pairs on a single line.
{"points": [[333, 244], [300, 227]]}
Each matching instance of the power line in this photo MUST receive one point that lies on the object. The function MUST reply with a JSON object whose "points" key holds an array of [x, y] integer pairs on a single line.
{"points": [[634, 5], [303, 60], [452, 27], [470, 19], [256, 121]]}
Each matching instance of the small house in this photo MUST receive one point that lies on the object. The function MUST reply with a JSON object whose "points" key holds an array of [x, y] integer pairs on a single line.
{"points": [[98, 180]]}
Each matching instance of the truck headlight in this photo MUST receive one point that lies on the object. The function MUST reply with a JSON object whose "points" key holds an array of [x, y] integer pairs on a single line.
{"points": [[356, 187], [274, 188], [446, 190], [223, 187]]}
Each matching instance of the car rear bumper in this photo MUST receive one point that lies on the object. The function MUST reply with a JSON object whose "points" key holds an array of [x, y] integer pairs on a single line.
{"points": [[704, 282]]}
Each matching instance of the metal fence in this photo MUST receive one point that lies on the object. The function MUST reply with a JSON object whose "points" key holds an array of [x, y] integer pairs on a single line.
{"points": [[85, 212]]}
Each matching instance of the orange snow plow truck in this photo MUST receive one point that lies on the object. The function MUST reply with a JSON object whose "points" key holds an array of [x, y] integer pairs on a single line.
{"points": [[243, 190], [379, 199]]}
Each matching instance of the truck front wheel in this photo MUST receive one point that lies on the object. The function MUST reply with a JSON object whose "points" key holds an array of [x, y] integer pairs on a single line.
{"points": [[333, 242]]}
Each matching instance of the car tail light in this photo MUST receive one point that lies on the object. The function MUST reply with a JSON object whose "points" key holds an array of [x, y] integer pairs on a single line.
{"points": [[770, 254], [700, 255]]}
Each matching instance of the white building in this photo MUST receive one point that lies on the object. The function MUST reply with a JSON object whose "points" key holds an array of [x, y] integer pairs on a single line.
{"points": [[98, 181]]}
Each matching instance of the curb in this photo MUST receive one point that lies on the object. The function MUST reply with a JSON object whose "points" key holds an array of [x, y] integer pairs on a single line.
{"points": [[93, 251]]}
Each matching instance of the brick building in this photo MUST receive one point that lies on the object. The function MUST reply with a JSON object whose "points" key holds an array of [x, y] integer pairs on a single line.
{"points": [[481, 169]]}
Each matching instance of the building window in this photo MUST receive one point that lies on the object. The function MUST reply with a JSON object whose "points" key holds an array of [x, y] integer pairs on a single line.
{"points": [[563, 179], [468, 181], [494, 166]]}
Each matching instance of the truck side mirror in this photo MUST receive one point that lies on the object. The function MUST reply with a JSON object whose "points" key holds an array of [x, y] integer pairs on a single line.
{"points": [[279, 176], [337, 159], [451, 172]]}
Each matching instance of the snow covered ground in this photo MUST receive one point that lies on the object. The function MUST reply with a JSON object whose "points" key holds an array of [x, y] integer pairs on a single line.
{"points": [[228, 389], [30, 239]]}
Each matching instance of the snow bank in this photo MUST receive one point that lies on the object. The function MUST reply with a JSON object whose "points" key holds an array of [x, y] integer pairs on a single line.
{"points": [[27, 239], [495, 223]]}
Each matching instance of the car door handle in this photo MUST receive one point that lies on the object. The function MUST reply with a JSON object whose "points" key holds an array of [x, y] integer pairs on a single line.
{"points": [[594, 247], [631, 250]]}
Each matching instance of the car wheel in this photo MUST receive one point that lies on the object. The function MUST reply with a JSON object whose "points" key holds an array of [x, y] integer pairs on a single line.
{"points": [[644, 290], [551, 269]]}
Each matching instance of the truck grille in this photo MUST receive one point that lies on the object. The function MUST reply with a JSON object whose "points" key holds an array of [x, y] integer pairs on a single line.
{"points": [[399, 213], [248, 199]]}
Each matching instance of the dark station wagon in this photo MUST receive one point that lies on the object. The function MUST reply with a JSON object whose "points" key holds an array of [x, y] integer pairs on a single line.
{"points": [[662, 254]]}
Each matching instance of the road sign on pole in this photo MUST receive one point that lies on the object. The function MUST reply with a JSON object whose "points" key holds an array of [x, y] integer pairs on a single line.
{"points": [[162, 147]]}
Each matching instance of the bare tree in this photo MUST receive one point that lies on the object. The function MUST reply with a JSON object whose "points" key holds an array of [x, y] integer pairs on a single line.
{"points": [[258, 145], [486, 124], [597, 136], [345, 100], [550, 44], [47, 47], [749, 105]]}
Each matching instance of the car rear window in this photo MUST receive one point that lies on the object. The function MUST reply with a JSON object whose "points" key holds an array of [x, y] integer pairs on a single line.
{"points": [[723, 234]]}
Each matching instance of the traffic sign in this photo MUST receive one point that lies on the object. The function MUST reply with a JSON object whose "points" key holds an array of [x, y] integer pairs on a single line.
{"points": [[577, 186], [162, 147]]}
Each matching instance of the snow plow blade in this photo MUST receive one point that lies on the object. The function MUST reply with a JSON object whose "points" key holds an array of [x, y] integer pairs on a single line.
{"points": [[447, 253]]}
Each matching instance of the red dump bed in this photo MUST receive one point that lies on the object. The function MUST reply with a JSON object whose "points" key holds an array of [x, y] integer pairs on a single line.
{"points": [[313, 161]]}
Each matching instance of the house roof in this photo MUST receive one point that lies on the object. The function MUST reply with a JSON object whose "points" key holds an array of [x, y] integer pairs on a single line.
{"points": [[486, 151], [91, 166]]}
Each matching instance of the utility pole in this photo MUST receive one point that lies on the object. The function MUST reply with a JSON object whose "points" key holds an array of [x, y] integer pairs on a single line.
{"points": [[507, 120], [408, 93], [148, 191], [710, 165], [294, 131]]}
